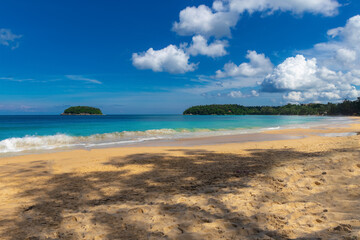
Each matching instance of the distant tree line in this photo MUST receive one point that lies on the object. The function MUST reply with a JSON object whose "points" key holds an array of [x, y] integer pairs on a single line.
{"points": [[349, 108], [82, 110]]}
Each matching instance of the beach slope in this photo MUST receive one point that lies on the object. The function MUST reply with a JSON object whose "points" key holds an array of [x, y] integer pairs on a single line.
{"points": [[287, 189]]}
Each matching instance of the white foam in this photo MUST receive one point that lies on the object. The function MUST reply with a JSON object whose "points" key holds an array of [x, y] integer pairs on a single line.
{"points": [[35, 142], [59, 141], [31, 143]]}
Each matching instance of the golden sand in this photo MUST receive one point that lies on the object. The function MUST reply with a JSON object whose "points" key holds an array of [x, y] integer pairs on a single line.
{"points": [[306, 188]]}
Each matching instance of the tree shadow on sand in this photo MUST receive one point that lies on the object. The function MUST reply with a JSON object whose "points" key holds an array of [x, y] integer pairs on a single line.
{"points": [[179, 195]]}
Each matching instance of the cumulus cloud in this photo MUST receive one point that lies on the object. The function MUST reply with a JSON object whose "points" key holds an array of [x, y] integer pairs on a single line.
{"points": [[259, 65], [170, 59], [354, 76], [343, 50], [240, 94], [175, 59], [303, 80], [82, 78], [319, 96], [324, 7], [294, 97], [219, 6], [346, 55], [235, 94], [205, 21], [7, 38], [224, 14], [294, 73], [329, 73], [349, 33], [254, 93], [200, 46], [234, 77]]}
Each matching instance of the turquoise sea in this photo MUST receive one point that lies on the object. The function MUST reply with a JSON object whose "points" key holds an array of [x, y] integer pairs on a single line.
{"points": [[32, 133]]}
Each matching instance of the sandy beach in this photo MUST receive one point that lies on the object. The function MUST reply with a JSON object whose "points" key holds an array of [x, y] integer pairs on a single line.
{"points": [[301, 188]]}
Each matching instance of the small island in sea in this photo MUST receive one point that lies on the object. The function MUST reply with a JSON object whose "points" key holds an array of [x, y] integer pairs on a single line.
{"points": [[82, 110], [346, 108]]}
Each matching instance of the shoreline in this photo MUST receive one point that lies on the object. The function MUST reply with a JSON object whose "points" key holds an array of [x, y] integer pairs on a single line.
{"points": [[197, 138], [286, 132], [303, 188]]}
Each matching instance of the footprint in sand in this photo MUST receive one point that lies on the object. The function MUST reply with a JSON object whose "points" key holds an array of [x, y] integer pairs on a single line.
{"points": [[343, 228], [317, 183]]}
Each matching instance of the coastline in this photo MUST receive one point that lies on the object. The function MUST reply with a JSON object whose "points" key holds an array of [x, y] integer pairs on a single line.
{"points": [[266, 135], [38, 144], [306, 187], [274, 135]]}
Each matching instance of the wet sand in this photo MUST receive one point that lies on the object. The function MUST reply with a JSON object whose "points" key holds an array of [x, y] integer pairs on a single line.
{"points": [[303, 188]]}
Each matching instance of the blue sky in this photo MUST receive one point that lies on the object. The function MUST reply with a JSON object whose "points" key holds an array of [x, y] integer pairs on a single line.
{"points": [[163, 56]]}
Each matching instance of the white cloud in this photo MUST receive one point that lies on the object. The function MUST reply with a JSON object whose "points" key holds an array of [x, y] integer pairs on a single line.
{"points": [[324, 7], [318, 96], [19, 79], [293, 74], [82, 78], [294, 97], [334, 32], [254, 93], [303, 80], [259, 65], [7, 78], [170, 59], [330, 72], [346, 56], [350, 33], [7, 38], [343, 50], [234, 77], [231, 94], [219, 6], [205, 21], [235, 94], [353, 77], [224, 14], [200, 46], [175, 59]]}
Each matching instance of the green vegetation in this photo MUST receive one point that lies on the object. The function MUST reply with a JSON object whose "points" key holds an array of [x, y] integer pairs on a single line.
{"points": [[82, 110], [349, 108]]}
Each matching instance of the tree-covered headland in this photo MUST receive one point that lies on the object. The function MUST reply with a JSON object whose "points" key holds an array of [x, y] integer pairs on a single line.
{"points": [[348, 108], [82, 110]]}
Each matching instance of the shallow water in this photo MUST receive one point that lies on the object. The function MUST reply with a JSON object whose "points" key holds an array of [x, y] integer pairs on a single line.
{"points": [[33, 133]]}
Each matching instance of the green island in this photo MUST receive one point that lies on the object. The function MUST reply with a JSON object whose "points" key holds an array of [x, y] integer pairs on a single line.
{"points": [[82, 110], [348, 108]]}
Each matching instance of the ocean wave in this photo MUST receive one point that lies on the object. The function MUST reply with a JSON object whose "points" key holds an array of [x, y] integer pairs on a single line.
{"points": [[29, 143], [37, 143], [61, 141]]}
